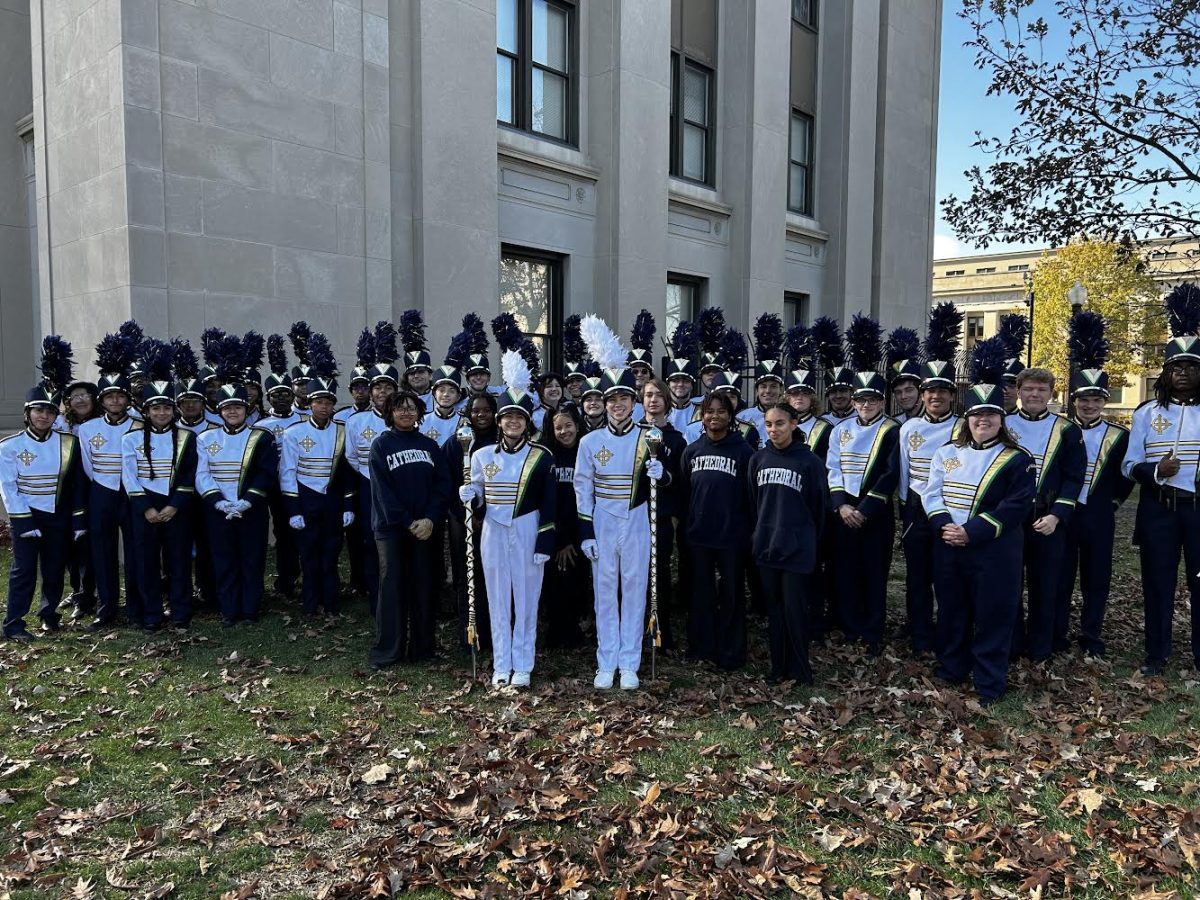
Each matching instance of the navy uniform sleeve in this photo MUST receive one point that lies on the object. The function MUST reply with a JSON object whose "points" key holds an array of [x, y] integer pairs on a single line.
{"points": [[185, 471], [1017, 490], [1073, 462], [879, 496], [1122, 486], [77, 490], [548, 510], [264, 469]]}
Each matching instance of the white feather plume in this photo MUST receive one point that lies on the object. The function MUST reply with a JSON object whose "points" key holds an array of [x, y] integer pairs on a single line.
{"points": [[603, 345], [515, 371]]}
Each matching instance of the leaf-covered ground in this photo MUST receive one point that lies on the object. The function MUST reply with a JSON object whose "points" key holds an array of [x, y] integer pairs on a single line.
{"points": [[269, 761]]}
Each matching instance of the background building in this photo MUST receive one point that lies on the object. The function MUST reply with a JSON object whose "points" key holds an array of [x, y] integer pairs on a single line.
{"points": [[987, 286], [246, 163]]}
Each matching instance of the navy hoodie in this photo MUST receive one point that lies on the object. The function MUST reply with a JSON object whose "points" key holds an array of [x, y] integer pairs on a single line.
{"points": [[410, 480], [791, 500], [715, 489]]}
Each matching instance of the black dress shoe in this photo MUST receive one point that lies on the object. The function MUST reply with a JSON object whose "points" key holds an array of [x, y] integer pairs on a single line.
{"points": [[101, 625], [1152, 668], [51, 625], [23, 637]]}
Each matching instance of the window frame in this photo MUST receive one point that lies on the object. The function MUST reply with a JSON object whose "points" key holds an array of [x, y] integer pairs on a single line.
{"points": [[797, 307], [814, 18], [557, 282], [807, 208], [679, 122], [522, 90], [969, 339], [697, 284]]}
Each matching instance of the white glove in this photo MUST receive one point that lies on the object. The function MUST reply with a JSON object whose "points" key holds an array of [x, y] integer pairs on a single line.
{"points": [[37, 532], [297, 522], [540, 559], [224, 506], [590, 550], [347, 519], [466, 494], [241, 506], [80, 533], [654, 469]]}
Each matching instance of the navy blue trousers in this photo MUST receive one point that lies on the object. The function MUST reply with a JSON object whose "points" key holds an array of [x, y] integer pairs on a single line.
{"points": [[287, 548], [862, 558], [1088, 554], [918, 542], [1166, 532], [82, 577], [370, 548], [320, 543], [786, 595], [110, 522], [717, 622], [1045, 555], [206, 575], [239, 550], [49, 553], [164, 560], [978, 599]]}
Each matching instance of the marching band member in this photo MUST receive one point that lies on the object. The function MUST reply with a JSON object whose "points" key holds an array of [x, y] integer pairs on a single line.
{"points": [[1090, 531], [317, 484], [839, 379], [283, 415], [568, 571], [790, 507], [863, 464], [920, 437], [361, 431], [800, 390], [612, 475], [681, 375], [768, 371], [574, 355], [640, 360], [447, 414], [714, 485], [1014, 334], [45, 493], [476, 371], [1056, 445], [418, 365], [981, 489], [252, 347], [410, 487], [904, 373], [299, 334], [236, 467], [513, 481], [159, 476], [360, 392], [593, 400], [190, 402], [1164, 444], [710, 329], [210, 344], [733, 356], [80, 402], [550, 391], [110, 519]]}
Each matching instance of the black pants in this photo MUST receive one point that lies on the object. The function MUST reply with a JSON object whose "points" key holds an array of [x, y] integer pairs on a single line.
{"points": [[83, 576], [354, 550], [170, 542], [239, 549], [1167, 531], [566, 596], [786, 595], [29, 554], [1035, 633], [370, 549], [457, 531], [404, 613], [863, 557], [717, 626], [1089, 554], [918, 576], [110, 524], [205, 572], [320, 546], [287, 549]]}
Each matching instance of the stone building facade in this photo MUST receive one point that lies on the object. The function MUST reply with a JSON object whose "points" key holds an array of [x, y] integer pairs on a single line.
{"points": [[247, 163]]}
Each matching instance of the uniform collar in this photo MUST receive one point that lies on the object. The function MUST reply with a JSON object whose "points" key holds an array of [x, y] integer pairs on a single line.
{"points": [[517, 449], [804, 419], [40, 440], [988, 445], [121, 421], [1085, 427], [237, 430], [1042, 415], [932, 421], [154, 430], [872, 422], [629, 426], [199, 421], [1178, 402], [313, 423], [437, 412], [687, 404]]}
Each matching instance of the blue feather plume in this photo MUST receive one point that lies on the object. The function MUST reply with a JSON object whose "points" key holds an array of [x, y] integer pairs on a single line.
{"points": [[506, 331], [230, 366], [321, 360], [827, 341], [1086, 341], [590, 369], [157, 358], [711, 324], [902, 344], [685, 341], [474, 327], [988, 360], [385, 342], [252, 349], [533, 359], [276, 354], [768, 337], [58, 362], [1183, 309], [798, 347], [132, 332], [574, 349], [1014, 334], [864, 343], [300, 334], [734, 350], [945, 330], [210, 339], [364, 350], [642, 337], [412, 330], [115, 354], [459, 350], [187, 367]]}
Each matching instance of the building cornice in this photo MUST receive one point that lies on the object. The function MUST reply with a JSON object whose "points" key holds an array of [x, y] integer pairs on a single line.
{"points": [[564, 160]]}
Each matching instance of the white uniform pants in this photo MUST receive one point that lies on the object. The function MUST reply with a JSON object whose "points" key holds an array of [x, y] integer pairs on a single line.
{"points": [[513, 586], [624, 565]]}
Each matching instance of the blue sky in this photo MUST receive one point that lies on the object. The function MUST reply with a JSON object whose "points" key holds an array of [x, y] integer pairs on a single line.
{"points": [[964, 109]]}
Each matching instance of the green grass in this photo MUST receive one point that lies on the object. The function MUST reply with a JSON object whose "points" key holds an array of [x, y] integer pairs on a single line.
{"points": [[136, 760]]}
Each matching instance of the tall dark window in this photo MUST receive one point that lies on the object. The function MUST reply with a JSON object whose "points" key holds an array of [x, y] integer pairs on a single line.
{"points": [[795, 309], [974, 329], [535, 66], [804, 12], [685, 299], [531, 287], [800, 164], [693, 90]]}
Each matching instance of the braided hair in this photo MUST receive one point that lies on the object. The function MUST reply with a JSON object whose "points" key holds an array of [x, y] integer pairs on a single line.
{"points": [[146, 431]]}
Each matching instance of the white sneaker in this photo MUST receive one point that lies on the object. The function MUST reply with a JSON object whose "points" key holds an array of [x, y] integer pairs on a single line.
{"points": [[520, 679], [603, 681], [629, 681], [500, 679]]}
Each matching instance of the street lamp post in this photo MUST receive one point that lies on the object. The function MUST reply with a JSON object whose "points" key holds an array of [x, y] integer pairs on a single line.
{"points": [[1077, 296], [1029, 298]]}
